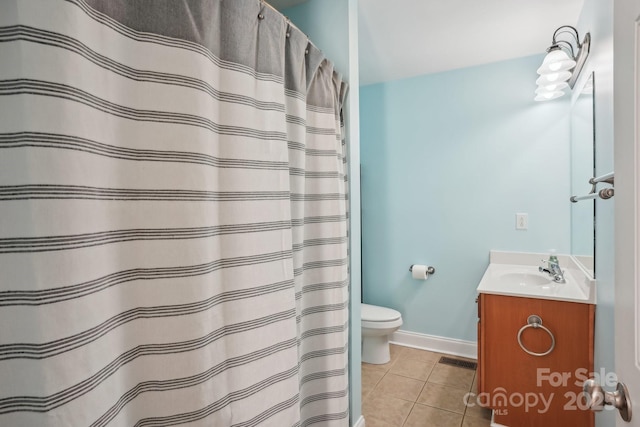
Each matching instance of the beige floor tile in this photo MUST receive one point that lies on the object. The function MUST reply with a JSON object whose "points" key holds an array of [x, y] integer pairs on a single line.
{"points": [[390, 390], [443, 397], [387, 409], [421, 355], [396, 350], [400, 387], [474, 385], [374, 422], [477, 411], [370, 378], [451, 376], [412, 368], [365, 392], [474, 422], [383, 367], [426, 416]]}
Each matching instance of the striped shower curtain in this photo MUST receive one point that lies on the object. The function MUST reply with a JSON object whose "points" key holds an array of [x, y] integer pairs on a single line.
{"points": [[173, 222]]}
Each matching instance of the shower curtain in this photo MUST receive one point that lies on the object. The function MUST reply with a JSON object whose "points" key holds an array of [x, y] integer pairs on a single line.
{"points": [[173, 217]]}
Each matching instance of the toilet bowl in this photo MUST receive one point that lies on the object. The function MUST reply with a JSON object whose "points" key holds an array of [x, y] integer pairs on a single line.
{"points": [[378, 323]]}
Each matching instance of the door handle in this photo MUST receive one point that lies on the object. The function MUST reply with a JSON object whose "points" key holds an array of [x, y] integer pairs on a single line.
{"points": [[598, 398]]}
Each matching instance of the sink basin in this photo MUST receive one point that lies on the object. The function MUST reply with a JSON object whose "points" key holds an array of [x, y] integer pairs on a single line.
{"points": [[526, 279]]}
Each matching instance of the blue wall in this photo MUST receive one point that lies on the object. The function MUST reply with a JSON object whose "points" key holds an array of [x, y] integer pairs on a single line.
{"points": [[447, 161], [326, 23]]}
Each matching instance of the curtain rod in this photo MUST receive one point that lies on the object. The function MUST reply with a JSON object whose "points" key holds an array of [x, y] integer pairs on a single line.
{"points": [[608, 178], [605, 193], [289, 22]]}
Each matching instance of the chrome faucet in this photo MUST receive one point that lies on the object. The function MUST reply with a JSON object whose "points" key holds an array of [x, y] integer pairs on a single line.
{"points": [[553, 270]]}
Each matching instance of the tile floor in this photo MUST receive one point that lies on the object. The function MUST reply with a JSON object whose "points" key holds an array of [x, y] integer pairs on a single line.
{"points": [[414, 390]]}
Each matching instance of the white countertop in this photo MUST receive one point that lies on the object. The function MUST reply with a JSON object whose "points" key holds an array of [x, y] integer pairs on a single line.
{"points": [[516, 274]]}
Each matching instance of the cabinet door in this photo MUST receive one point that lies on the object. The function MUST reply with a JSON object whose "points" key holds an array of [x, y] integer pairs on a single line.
{"points": [[526, 390]]}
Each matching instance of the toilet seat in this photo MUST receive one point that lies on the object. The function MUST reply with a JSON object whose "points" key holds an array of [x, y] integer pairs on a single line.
{"points": [[375, 317], [374, 313]]}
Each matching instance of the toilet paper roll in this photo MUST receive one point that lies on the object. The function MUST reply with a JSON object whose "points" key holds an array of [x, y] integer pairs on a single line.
{"points": [[419, 272]]}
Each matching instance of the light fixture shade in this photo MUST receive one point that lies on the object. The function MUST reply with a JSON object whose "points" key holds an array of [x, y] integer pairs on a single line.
{"points": [[562, 65], [554, 87], [548, 96], [556, 60], [553, 78]]}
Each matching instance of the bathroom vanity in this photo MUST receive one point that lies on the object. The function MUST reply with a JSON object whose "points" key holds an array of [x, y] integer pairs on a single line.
{"points": [[535, 342]]}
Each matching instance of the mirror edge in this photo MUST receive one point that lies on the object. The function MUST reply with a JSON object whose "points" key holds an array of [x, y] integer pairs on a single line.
{"points": [[586, 263]]}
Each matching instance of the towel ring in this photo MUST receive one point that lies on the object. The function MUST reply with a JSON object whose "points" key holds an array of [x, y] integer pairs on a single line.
{"points": [[535, 322]]}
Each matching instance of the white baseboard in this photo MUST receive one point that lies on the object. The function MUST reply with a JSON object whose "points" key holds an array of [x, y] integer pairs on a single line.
{"points": [[468, 349], [360, 422]]}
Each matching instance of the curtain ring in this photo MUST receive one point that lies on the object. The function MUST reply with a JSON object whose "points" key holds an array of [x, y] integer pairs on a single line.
{"points": [[261, 14]]}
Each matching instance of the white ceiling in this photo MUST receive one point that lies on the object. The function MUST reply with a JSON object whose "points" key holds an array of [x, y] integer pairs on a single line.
{"points": [[406, 38]]}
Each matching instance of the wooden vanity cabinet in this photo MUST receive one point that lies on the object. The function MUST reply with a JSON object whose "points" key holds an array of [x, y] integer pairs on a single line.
{"points": [[526, 390]]}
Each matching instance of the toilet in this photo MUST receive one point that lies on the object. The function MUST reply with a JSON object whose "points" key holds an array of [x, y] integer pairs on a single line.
{"points": [[378, 323]]}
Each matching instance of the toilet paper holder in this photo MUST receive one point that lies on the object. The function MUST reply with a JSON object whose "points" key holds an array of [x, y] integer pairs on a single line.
{"points": [[430, 269]]}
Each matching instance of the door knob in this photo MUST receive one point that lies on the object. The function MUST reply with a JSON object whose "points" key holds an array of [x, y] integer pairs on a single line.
{"points": [[598, 398]]}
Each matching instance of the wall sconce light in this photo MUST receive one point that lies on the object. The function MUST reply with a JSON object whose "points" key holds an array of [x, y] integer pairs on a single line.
{"points": [[562, 65]]}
